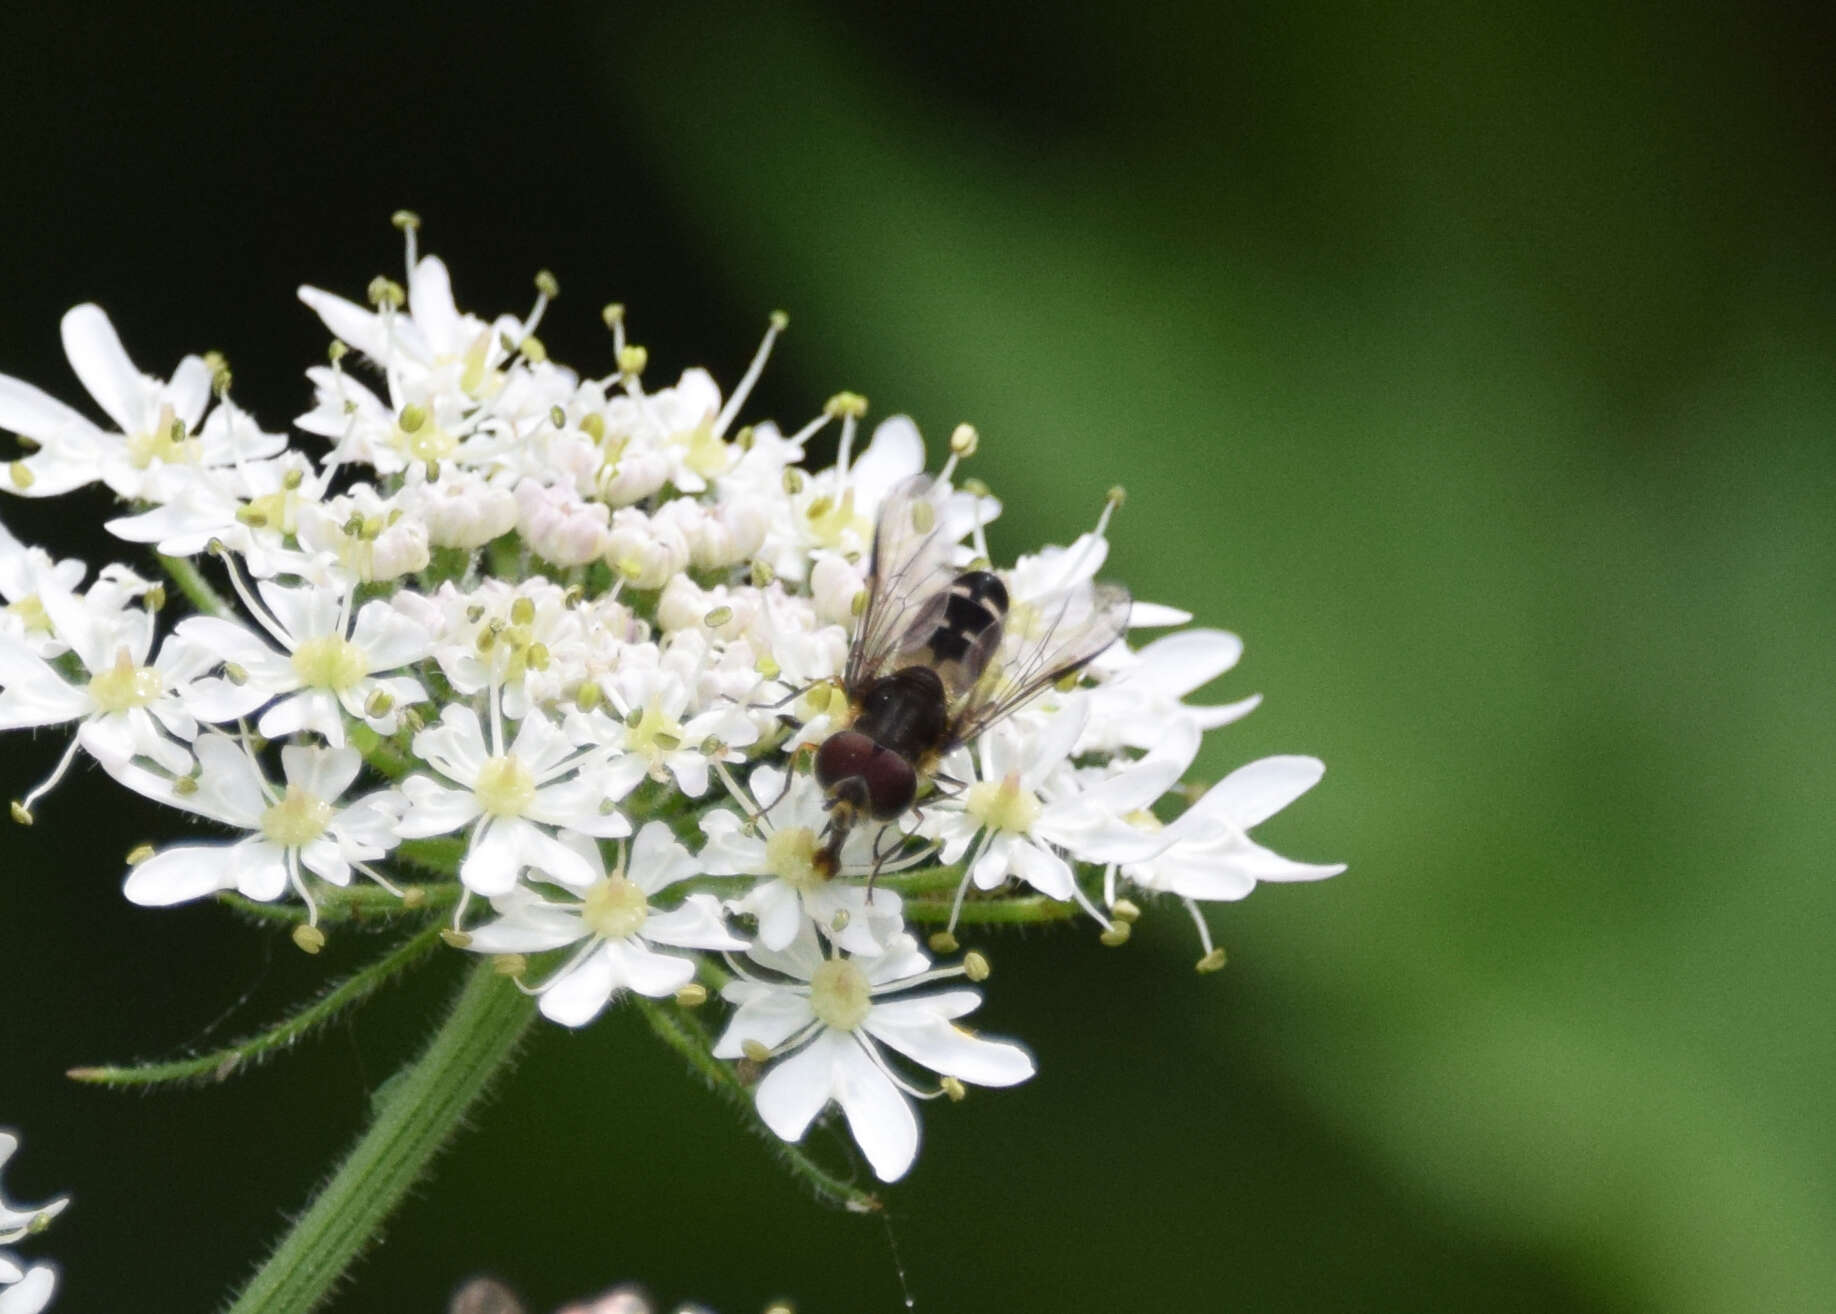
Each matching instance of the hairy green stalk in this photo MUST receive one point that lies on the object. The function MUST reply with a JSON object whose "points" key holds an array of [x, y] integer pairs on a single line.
{"points": [[414, 1117]]}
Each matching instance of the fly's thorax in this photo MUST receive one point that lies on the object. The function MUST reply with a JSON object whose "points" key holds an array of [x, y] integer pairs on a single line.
{"points": [[907, 712]]}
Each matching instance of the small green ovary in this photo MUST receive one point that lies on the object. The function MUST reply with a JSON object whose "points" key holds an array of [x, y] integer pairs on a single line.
{"points": [[297, 820], [505, 786], [1003, 805], [840, 994], [790, 855], [330, 662], [615, 908], [124, 685]]}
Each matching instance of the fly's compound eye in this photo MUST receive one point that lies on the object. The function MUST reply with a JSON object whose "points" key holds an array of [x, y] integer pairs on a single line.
{"points": [[843, 756], [891, 785]]}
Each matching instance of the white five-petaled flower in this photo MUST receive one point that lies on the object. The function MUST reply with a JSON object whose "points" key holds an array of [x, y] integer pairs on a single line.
{"points": [[126, 705], [24, 1290], [1206, 851], [301, 827], [781, 851], [1029, 807], [513, 799], [830, 1018], [159, 431], [326, 666], [615, 925]]}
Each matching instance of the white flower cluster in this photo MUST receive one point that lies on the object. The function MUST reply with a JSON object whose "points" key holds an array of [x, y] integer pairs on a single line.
{"points": [[589, 629], [24, 1290]]}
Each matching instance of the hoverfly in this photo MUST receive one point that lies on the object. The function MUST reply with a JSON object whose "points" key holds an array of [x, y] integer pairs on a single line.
{"points": [[938, 656]]}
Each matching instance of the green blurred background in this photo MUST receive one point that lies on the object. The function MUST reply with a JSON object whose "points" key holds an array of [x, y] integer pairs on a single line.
{"points": [[1475, 364]]}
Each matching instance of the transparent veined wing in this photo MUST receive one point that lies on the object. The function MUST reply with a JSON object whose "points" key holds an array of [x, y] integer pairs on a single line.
{"points": [[1042, 643], [907, 578]]}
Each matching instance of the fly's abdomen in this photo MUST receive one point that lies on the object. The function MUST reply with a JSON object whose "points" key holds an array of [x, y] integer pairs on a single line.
{"points": [[970, 629]]}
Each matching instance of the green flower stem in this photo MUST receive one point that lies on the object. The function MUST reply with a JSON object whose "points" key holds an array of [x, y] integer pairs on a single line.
{"points": [[219, 1064], [684, 1033], [193, 585], [356, 905], [1024, 910], [415, 1114]]}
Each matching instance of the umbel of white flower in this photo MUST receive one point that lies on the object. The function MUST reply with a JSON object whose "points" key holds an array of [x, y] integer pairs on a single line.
{"points": [[550, 656]]}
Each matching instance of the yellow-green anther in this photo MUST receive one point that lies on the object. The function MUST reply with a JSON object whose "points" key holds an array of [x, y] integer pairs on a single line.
{"points": [[455, 939], [22, 477], [954, 1088], [850, 405], [406, 221], [717, 617], [779, 320], [975, 966], [792, 480], [613, 313], [413, 416], [1212, 962], [1125, 910], [692, 995], [310, 939], [594, 426], [858, 603], [139, 854], [557, 416], [547, 284], [942, 942], [20, 814], [533, 349], [514, 966], [632, 359], [1115, 935], [964, 440], [387, 292]]}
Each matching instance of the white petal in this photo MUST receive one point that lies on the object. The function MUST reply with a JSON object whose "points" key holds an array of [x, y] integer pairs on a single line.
{"points": [[434, 809], [491, 867], [923, 1035], [881, 1118], [768, 1014], [189, 871], [1179, 663], [528, 931], [638, 967], [576, 997], [1256, 792], [696, 924], [36, 414], [794, 1091], [31, 1293], [102, 363]]}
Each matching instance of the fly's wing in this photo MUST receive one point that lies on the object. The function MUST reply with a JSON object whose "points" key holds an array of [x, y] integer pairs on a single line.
{"points": [[1041, 643], [908, 580]]}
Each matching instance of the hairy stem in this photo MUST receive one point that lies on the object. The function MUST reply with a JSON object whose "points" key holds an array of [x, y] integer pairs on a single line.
{"points": [[219, 1064], [414, 1117], [193, 585]]}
